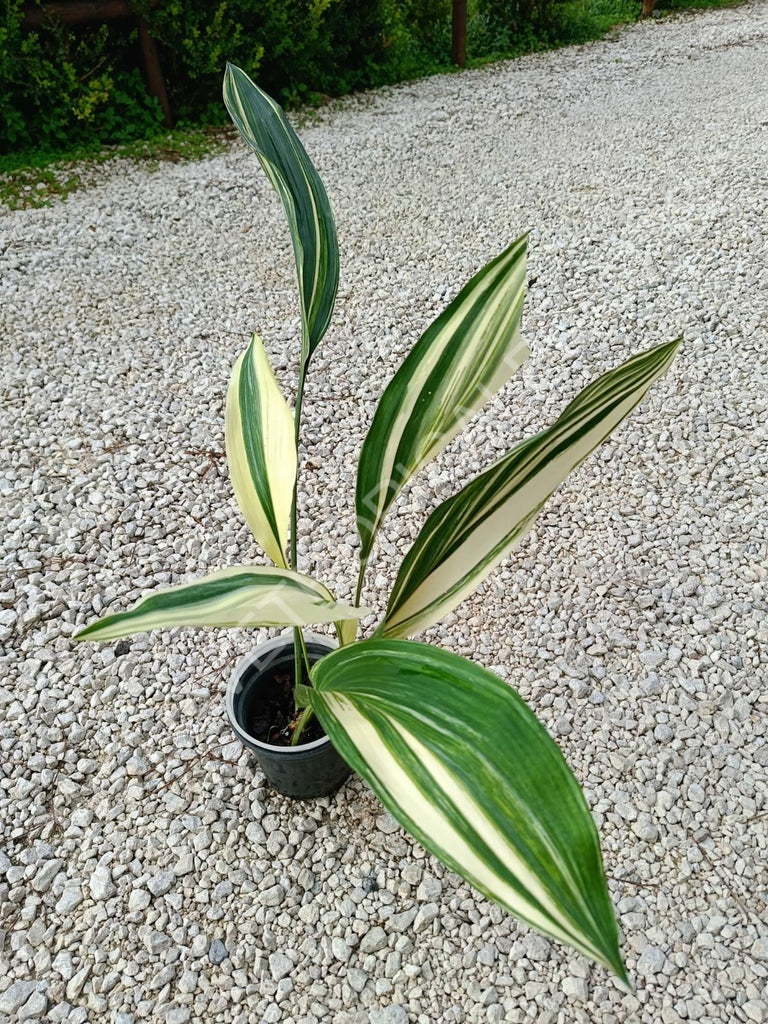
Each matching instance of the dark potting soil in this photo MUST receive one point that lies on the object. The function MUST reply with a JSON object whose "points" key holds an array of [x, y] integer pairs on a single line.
{"points": [[273, 718]]}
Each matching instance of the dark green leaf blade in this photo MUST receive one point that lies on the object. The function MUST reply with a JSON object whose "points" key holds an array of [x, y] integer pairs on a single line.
{"points": [[264, 126]]}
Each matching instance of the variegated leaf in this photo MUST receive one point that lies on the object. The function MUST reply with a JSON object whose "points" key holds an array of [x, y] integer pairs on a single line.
{"points": [[469, 534], [240, 596], [347, 631], [267, 131], [261, 449], [461, 762], [460, 361]]}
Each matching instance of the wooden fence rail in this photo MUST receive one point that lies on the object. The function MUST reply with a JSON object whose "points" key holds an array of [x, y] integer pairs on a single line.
{"points": [[81, 12]]}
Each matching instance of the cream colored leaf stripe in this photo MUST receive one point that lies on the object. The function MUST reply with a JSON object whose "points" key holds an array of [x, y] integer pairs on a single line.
{"points": [[460, 361], [267, 131], [467, 536], [240, 596], [261, 449], [458, 758]]}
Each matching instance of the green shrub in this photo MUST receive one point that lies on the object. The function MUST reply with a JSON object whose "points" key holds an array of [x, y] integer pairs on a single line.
{"points": [[521, 26], [301, 50], [503, 26], [64, 87], [67, 86]]}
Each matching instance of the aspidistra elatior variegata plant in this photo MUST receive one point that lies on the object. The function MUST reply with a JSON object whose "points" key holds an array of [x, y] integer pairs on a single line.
{"points": [[451, 750]]}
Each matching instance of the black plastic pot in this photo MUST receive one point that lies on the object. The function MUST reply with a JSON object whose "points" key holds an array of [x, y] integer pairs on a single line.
{"points": [[306, 770]]}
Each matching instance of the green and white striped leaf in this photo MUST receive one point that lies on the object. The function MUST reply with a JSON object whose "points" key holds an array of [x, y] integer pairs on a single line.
{"points": [[467, 536], [462, 763], [261, 449], [240, 596], [267, 131], [347, 631], [460, 362]]}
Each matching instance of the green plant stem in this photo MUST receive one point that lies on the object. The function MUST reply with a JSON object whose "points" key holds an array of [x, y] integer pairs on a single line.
{"points": [[302, 656], [360, 578], [304, 720], [307, 713], [296, 432], [299, 647]]}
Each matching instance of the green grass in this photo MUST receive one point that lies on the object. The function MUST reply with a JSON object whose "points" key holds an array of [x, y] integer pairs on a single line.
{"points": [[36, 186], [675, 6], [36, 178]]}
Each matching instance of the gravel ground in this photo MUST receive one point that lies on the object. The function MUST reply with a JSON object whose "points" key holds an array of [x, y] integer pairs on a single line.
{"points": [[147, 873]]}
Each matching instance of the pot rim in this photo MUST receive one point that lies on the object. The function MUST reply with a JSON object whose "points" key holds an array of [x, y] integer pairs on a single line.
{"points": [[271, 646]]}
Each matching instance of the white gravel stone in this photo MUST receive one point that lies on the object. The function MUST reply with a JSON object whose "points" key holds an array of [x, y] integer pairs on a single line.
{"points": [[138, 900], [357, 979], [373, 940], [62, 964], [392, 1014], [60, 1012], [284, 988], [137, 766], [161, 883], [425, 916], [340, 949], [77, 983], [537, 948], [199, 946], [387, 824], [17, 993], [34, 1008], [280, 965], [156, 941], [217, 952], [402, 922], [576, 988], [46, 874], [273, 896], [101, 885], [185, 865], [651, 961], [71, 897], [429, 889]]}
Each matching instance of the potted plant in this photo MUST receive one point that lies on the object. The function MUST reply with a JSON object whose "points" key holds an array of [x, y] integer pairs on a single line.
{"points": [[451, 750]]}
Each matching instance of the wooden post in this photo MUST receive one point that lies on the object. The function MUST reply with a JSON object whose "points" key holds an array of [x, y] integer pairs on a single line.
{"points": [[155, 80], [648, 6], [459, 33]]}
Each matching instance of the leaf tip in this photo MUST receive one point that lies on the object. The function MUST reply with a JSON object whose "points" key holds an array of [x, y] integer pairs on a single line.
{"points": [[621, 978], [88, 631]]}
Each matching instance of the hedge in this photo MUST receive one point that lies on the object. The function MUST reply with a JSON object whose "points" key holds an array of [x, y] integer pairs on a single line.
{"points": [[66, 87]]}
